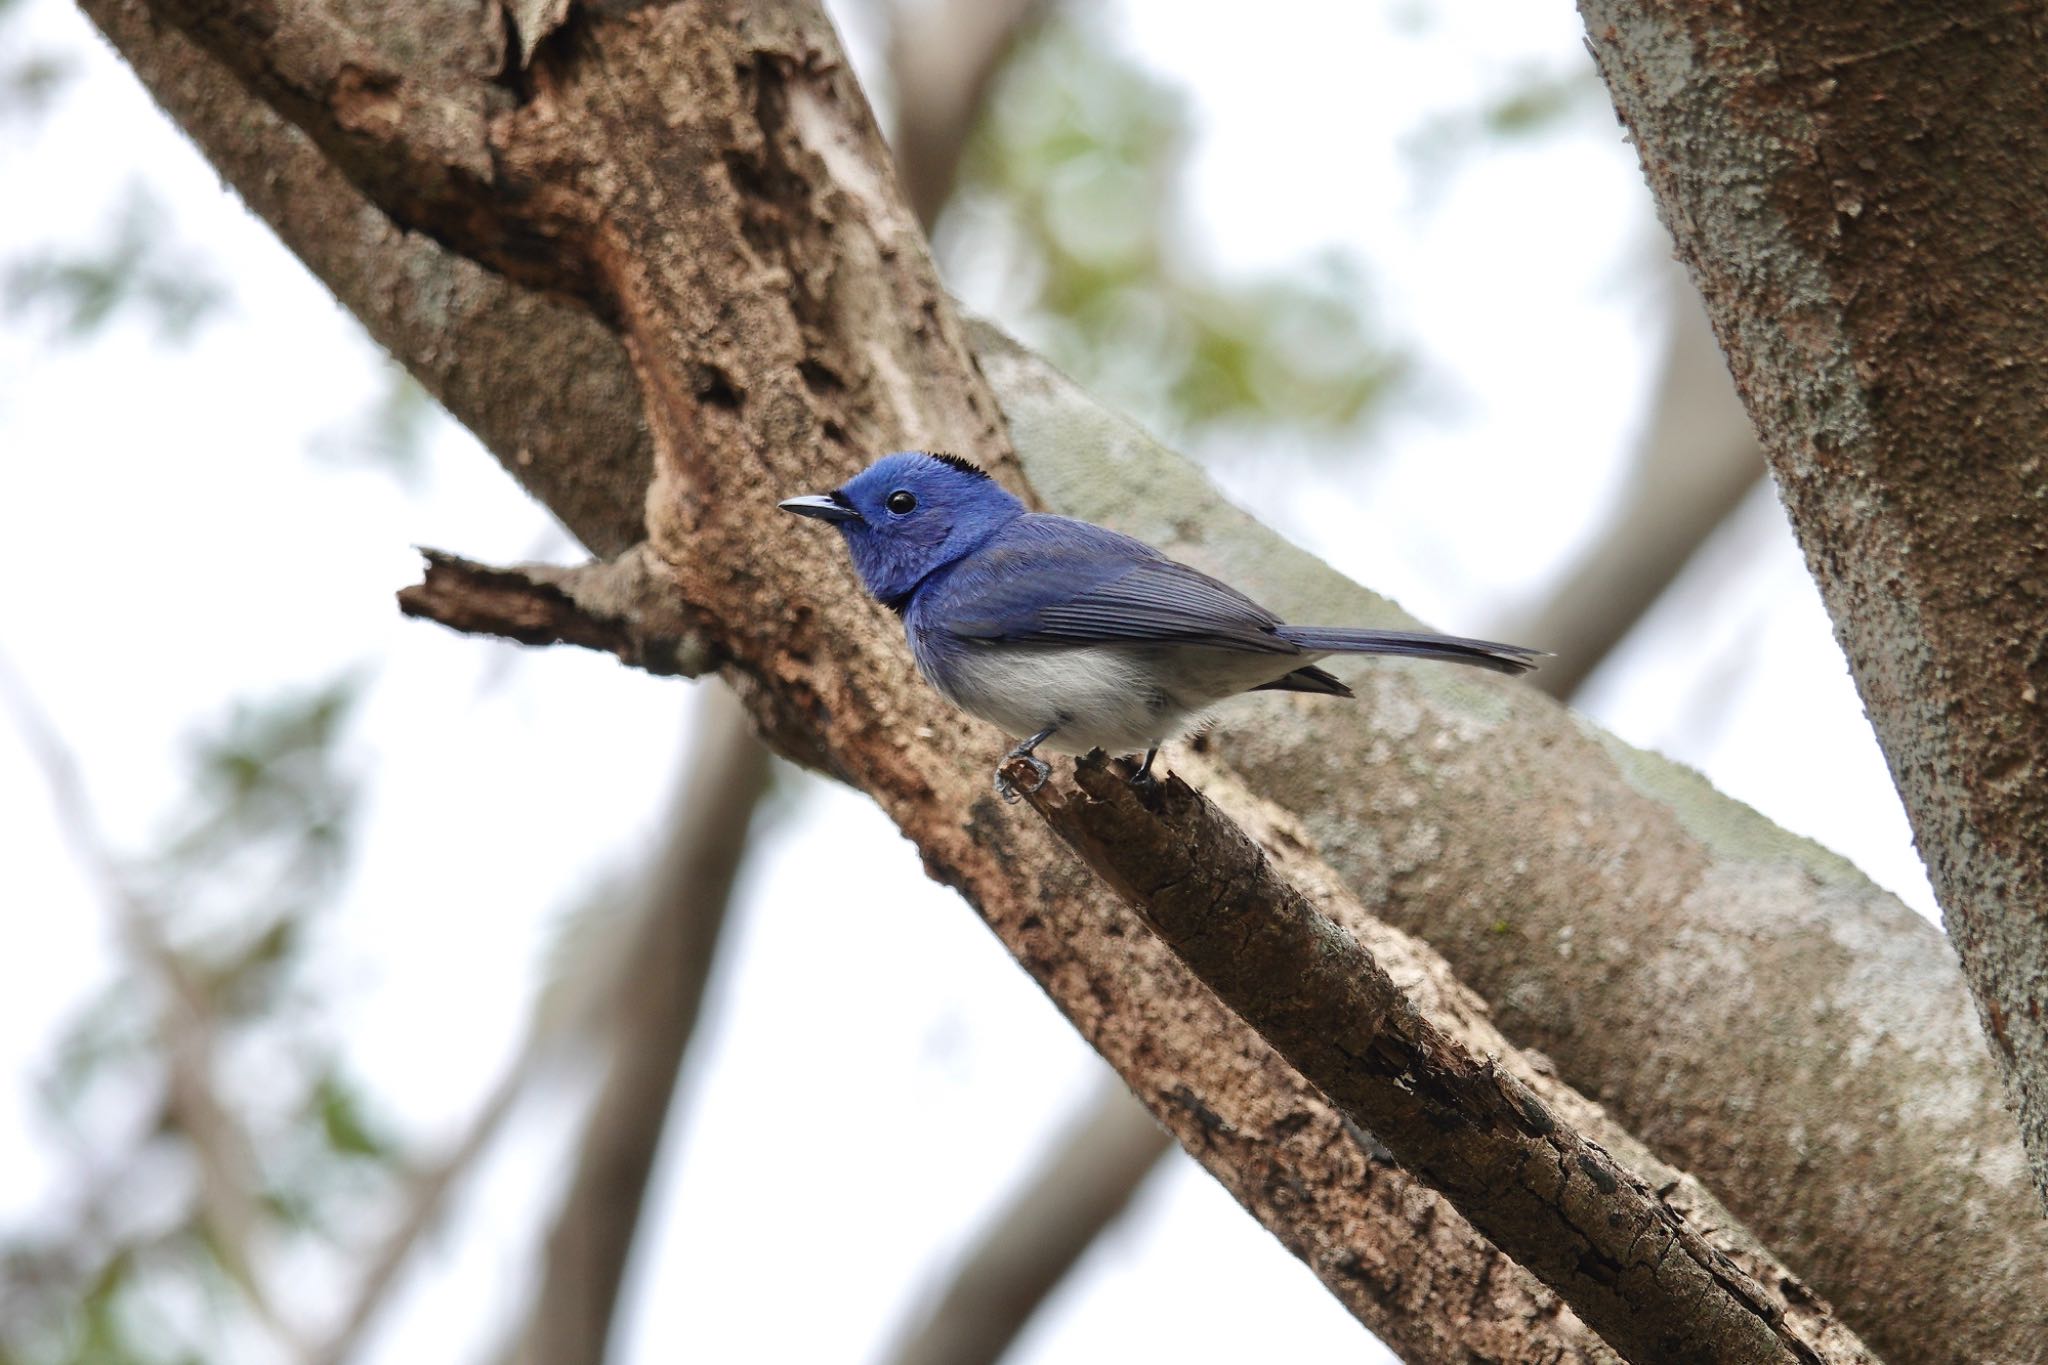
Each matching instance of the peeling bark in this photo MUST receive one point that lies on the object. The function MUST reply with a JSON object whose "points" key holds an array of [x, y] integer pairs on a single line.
{"points": [[1585, 887], [1861, 194]]}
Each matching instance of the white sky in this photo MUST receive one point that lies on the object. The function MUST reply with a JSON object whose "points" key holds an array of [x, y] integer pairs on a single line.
{"points": [[167, 545]]}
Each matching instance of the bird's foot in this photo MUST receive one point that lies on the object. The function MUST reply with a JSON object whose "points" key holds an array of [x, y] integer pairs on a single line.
{"points": [[1142, 781], [1009, 789]]}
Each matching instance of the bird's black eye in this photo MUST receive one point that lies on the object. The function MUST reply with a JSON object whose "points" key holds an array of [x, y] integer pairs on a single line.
{"points": [[901, 501]]}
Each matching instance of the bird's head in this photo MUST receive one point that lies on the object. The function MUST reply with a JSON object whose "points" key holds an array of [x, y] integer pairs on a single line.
{"points": [[908, 514]]}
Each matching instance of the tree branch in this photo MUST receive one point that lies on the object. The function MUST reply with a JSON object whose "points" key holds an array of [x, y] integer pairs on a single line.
{"points": [[1468, 1120], [943, 56], [1692, 467], [1875, 280], [1036, 1238], [1831, 1008], [540, 381], [449, 157], [424, 1203], [659, 997], [1705, 973], [624, 607], [228, 1174]]}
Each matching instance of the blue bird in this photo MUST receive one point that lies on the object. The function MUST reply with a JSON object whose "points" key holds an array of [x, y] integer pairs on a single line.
{"points": [[1075, 636]]}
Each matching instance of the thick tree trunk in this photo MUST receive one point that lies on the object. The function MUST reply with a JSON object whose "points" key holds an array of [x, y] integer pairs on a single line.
{"points": [[1829, 1007], [1861, 193]]}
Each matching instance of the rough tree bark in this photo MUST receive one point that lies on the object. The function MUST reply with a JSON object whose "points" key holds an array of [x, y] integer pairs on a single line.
{"points": [[1430, 1285], [1861, 194], [1829, 1007], [1381, 1027]]}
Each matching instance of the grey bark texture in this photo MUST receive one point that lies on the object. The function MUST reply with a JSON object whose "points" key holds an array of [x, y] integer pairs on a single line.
{"points": [[1861, 195], [1747, 1002], [1757, 1010]]}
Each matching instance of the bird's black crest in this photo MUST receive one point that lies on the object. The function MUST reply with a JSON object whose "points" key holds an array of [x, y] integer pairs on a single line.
{"points": [[959, 462]]}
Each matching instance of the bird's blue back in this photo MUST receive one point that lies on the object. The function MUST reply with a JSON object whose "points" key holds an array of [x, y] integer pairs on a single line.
{"points": [[961, 559], [1071, 634]]}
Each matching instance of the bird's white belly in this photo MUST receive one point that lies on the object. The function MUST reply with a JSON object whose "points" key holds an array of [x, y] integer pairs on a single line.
{"points": [[1122, 699]]}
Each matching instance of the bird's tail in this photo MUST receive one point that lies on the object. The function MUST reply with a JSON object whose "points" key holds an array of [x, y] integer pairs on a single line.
{"points": [[1412, 644]]}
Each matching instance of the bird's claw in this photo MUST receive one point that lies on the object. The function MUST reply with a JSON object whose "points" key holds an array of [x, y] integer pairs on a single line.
{"points": [[1009, 790]]}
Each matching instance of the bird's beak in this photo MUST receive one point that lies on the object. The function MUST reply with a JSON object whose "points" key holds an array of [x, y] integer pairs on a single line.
{"points": [[823, 506]]}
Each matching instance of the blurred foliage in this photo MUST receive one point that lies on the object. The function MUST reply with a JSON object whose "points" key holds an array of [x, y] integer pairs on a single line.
{"points": [[152, 1262], [29, 81], [1069, 186], [30, 84], [133, 267]]}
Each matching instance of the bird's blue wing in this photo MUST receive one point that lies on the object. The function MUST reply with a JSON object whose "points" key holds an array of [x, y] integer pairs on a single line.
{"points": [[1050, 580]]}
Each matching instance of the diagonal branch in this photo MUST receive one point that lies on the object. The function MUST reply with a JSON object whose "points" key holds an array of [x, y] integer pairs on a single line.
{"points": [[1831, 1010], [1695, 463], [1036, 1238], [1452, 1101], [228, 1171], [659, 995], [943, 57], [424, 1204], [442, 154]]}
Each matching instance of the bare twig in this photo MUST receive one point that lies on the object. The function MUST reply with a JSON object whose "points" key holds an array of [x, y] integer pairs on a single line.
{"points": [[227, 1166], [1693, 465], [623, 607], [943, 56], [1037, 1237], [424, 1204], [1468, 1119], [658, 999]]}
